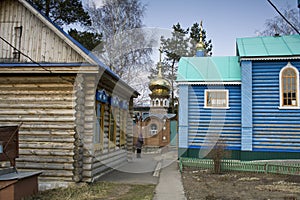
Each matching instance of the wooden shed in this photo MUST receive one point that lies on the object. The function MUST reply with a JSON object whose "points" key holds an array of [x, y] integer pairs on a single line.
{"points": [[76, 113]]}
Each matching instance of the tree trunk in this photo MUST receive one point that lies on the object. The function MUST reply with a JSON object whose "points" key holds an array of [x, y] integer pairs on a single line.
{"points": [[47, 8]]}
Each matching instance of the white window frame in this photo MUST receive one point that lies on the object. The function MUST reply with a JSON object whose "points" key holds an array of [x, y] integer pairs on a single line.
{"points": [[153, 131], [281, 106], [216, 107]]}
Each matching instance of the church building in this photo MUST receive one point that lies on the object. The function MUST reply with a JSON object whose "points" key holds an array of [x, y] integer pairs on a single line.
{"points": [[249, 101], [157, 126]]}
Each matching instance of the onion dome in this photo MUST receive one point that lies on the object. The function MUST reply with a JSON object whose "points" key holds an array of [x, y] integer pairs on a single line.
{"points": [[160, 86], [200, 46]]}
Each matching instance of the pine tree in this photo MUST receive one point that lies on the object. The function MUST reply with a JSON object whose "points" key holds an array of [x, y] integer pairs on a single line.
{"points": [[182, 43], [71, 12], [63, 12], [92, 41]]}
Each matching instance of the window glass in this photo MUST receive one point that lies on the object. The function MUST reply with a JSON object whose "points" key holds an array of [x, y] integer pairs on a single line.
{"points": [[289, 87], [153, 129], [216, 98]]}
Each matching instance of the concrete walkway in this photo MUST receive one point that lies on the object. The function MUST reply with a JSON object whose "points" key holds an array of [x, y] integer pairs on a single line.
{"points": [[137, 171], [170, 185], [160, 169]]}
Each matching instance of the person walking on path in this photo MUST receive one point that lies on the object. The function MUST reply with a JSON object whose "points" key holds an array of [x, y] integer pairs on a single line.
{"points": [[139, 145]]}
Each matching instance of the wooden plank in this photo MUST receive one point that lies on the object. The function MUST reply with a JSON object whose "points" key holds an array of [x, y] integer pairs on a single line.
{"points": [[46, 159], [51, 112], [55, 139], [41, 152]]}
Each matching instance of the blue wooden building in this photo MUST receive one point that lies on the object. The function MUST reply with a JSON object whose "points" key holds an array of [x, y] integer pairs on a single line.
{"points": [[250, 101]]}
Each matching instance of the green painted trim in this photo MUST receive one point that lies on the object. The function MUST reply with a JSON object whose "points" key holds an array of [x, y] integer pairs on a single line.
{"points": [[182, 152], [194, 153], [173, 129], [242, 166], [243, 155], [254, 155]]}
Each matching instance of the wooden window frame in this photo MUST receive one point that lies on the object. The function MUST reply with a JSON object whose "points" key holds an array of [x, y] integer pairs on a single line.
{"points": [[282, 87], [123, 127], [206, 105], [100, 113], [112, 128]]}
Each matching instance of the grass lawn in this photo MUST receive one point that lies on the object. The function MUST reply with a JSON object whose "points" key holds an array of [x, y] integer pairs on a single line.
{"points": [[99, 190]]}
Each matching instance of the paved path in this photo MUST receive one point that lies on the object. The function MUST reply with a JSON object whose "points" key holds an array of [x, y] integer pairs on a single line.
{"points": [[170, 184], [137, 171], [160, 169]]}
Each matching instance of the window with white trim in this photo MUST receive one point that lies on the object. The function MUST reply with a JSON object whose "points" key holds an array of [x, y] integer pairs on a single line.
{"points": [[153, 129], [289, 89], [216, 99]]}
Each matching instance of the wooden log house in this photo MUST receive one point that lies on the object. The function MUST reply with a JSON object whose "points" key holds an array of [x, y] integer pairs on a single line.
{"points": [[76, 112]]}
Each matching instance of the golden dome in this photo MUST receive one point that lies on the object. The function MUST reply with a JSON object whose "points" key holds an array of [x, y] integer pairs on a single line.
{"points": [[159, 82], [159, 86]]}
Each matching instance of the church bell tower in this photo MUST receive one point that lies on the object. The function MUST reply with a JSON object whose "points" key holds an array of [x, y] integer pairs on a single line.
{"points": [[160, 91]]}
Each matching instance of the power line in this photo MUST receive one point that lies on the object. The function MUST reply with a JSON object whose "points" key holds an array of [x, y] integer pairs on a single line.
{"points": [[25, 55], [285, 19]]}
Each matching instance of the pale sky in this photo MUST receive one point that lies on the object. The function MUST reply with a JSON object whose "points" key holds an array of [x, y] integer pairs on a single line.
{"points": [[224, 21]]}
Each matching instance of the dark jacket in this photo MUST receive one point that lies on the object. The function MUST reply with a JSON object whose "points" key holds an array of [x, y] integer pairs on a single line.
{"points": [[139, 142]]}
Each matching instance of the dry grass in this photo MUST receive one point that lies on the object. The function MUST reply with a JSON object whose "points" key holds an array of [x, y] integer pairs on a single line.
{"points": [[100, 190]]}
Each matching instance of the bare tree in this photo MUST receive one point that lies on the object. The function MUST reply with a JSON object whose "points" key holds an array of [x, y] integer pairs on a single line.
{"points": [[127, 49], [218, 153], [278, 24]]}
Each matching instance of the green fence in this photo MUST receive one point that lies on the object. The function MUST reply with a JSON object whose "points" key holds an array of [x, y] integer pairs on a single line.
{"points": [[243, 166]]}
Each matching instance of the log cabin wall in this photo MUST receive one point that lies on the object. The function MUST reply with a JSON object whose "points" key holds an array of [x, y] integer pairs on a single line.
{"points": [[44, 103], [57, 135], [45, 90]]}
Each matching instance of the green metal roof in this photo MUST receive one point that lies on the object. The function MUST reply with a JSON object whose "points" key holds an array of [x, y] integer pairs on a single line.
{"points": [[288, 45], [225, 68]]}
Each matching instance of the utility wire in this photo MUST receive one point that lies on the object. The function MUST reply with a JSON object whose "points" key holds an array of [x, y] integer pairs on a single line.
{"points": [[23, 54], [285, 19]]}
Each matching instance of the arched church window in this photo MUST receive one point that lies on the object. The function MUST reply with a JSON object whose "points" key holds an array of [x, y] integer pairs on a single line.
{"points": [[289, 81], [157, 102]]}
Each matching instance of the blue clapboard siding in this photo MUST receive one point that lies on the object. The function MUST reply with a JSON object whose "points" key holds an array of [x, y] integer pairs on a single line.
{"points": [[203, 122], [274, 129]]}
